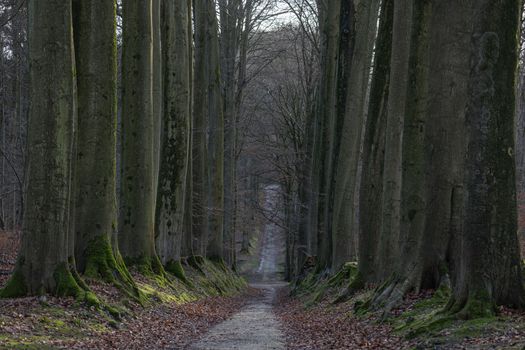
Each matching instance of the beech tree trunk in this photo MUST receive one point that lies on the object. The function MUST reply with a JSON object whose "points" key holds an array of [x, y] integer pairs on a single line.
{"points": [[392, 172], [175, 134], [370, 200], [230, 12], [355, 95], [96, 198], [137, 201], [157, 88], [200, 130], [187, 249], [42, 266], [215, 249], [490, 266], [330, 15]]}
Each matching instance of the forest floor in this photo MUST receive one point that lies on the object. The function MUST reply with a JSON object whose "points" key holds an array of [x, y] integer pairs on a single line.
{"points": [[174, 315], [312, 319]]}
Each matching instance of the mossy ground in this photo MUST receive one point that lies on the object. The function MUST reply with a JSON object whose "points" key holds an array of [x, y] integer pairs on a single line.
{"points": [[420, 318], [49, 322]]}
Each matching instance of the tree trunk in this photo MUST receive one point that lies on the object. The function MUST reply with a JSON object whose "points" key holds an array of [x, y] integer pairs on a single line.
{"points": [[137, 202], [96, 198], [390, 215], [175, 134], [490, 267], [327, 110], [157, 89], [188, 198], [355, 95], [43, 265], [371, 187], [215, 249], [229, 16], [200, 130]]}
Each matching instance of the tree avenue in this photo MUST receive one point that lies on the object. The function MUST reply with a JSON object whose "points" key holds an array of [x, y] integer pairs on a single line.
{"points": [[386, 128]]}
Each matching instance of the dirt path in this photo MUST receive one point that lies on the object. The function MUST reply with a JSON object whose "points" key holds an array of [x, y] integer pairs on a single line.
{"points": [[256, 326], [271, 259]]}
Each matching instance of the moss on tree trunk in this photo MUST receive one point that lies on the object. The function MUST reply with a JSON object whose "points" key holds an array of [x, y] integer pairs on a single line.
{"points": [[172, 189], [95, 196], [42, 265]]}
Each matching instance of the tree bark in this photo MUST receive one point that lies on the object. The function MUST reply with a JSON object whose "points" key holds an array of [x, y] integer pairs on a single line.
{"points": [[327, 110], [355, 95], [96, 255], [175, 135], [157, 88], [200, 130], [188, 198], [229, 12], [392, 172], [137, 201], [371, 187], [215, 248], [42, 265], [490, 267]]}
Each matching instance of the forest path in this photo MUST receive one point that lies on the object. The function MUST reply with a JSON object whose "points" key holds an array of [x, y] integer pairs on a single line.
{"points": [[255, 327], [273, 245]]}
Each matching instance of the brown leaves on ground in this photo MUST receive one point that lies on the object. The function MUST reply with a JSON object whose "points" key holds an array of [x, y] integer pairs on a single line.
{"points": [[167, 326], [328, 326], [47, 322]]}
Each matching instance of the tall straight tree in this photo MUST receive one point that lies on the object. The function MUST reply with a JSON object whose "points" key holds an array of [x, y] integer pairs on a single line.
{"points": [[392, 169], [175, 131], [356, 62], [43, 265], [137, 199], [208, 136], [490, 268], [370, 199], [230, 11], [330, 14], [200, 130], [187, 238], [215, 183], [157, 89], [96, 203]]}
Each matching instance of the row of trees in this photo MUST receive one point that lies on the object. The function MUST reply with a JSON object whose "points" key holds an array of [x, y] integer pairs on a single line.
{"points": [[182, 76], [410, 156]]}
